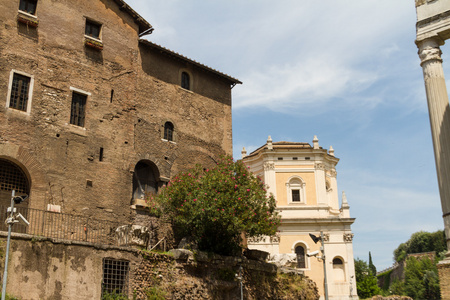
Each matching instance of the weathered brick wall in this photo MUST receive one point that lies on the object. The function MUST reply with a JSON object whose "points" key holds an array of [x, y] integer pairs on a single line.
{"points": [[61, 159]]}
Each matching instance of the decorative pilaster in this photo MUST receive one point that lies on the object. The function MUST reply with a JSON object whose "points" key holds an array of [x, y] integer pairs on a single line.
{"points": [[439, 112]]}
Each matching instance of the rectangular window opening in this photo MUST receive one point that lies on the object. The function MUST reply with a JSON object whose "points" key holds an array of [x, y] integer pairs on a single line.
{"points": [[307, 158], [19, 92], [295, 195], [92, 29], [112, 96], [280, 158], [115, 277], [295, 158], [100, 158], [77, 110], [28, 6]]}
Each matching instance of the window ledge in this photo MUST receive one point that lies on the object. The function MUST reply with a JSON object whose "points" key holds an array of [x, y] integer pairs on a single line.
{"points": [[172, 142], [186, 90], [28, 19], [93, 43], [81, 131]]}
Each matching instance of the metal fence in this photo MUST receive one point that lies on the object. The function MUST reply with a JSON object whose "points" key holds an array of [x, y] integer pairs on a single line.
{"points": [[63, 226]]}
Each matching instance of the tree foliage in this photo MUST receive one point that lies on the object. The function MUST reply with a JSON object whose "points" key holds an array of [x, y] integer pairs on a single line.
{"points": [[215, 207], [421, 242], [421, 278], [366, 282], [372, 268]]}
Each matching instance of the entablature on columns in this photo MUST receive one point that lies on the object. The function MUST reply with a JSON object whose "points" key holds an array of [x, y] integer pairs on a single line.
{"points": [[433, 20]]}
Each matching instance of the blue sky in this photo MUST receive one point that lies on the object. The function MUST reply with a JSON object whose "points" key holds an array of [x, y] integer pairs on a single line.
{"points": [[344, 70]]}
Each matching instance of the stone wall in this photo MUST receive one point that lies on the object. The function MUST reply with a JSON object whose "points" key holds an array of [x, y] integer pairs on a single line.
{"points": [[132, 88], [49, 269]]}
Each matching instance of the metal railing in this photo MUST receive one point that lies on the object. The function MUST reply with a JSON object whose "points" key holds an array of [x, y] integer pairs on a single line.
{"points": [[63, 226]]}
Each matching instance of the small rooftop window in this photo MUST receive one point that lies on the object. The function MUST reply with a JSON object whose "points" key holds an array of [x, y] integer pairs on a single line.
{"points": [[185, 81]]}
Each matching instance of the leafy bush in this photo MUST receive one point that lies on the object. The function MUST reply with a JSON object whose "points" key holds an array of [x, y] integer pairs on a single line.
{"points": [[366, 282], [114, 296], [215, 207], [421, 279]]}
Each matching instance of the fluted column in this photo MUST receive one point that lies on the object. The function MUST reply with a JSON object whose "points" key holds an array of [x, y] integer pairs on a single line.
{"points": [[439, 112]]}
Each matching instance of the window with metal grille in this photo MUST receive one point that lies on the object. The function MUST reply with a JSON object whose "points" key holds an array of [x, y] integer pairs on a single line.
{"points": [[19, 92], [77, 110], [185, 81], [115, 277], [28, 6], [12, 178], [92, 29], [168, 131], [301, 259]]}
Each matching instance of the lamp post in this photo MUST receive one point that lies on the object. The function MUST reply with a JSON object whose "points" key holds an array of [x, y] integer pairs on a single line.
{"points": [[322, 250], [10, 221]]}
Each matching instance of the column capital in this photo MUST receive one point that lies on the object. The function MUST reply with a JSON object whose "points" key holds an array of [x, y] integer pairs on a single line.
{"points": [[429, 50]]}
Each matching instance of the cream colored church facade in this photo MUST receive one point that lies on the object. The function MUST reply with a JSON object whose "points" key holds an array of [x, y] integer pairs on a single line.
{"points": [[303, 180]]}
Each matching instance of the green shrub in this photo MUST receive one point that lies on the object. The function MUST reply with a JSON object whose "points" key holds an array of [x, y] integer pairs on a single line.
{"points": [[215, 207]]}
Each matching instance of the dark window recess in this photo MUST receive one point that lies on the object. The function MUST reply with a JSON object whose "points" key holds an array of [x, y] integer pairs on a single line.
{"points": [[112, 96], [100, 157], [307, 158], [28, 6], [115, 277], [185, 81], [280, 158], [168, 131], [19, 92], [301, 261], [337, 261], [92, 29], [295, 158], [145, 179], [295, 195], [77, 111]]}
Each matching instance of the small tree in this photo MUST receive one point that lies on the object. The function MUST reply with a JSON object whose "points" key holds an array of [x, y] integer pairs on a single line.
{"points": [[366, 282], [215, 207], [421, 278], [372, 267]]}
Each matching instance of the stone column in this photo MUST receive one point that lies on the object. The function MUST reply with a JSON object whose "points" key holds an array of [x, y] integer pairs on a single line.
{"points": [[439, 112]]}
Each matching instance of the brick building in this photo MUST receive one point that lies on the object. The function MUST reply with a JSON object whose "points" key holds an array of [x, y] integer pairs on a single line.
{"points": [[92, 115]]}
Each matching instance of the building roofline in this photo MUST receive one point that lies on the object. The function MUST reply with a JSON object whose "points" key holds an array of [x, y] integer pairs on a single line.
{"points": [[176, 55], [144, 26], [282, 144]]}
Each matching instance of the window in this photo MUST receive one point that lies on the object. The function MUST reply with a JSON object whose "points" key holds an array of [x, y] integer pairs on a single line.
{"points": [[301, 258], [12, 178], [28, 6], [77, 109], [295, 189], [168, 131], [185, 81], [295, 195], [92, 29], [115, 277], [145, 179], [20, 92], [338, 269]]}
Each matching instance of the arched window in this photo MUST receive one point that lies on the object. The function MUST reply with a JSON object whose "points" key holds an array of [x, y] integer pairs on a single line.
{"points": [[12, 177], [145, 179], [296, 190], [185, 81], [338, 269], [168, 131], [301, 258]]}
